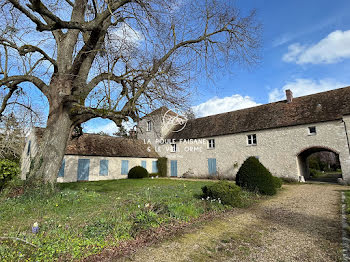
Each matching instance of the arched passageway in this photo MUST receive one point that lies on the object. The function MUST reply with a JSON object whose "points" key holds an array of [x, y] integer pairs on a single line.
{"points": [[329, 175]]}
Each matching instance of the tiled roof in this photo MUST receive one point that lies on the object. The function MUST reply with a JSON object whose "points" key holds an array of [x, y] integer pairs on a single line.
{"points": [[320, 107], [103, 145], [161, 111]]}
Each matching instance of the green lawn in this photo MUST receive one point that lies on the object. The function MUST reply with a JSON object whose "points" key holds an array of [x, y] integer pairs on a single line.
{"points": [[83, 218]]}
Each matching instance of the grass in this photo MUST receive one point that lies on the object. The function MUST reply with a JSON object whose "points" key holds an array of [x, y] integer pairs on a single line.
{"points": [[84, 218]]}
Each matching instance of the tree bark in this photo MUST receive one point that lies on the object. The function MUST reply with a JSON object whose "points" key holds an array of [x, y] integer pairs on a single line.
{"points": [[47, 161], [52, 145]]}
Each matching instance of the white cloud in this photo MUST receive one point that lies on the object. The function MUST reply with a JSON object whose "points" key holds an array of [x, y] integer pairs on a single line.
{"points": [[302, 87], [127, 35], [331, 49], [281, 40], [109, 128], [218, 105]]}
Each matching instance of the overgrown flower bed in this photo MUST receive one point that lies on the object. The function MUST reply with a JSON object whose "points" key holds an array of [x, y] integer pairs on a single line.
{"points": [[83, 218]]}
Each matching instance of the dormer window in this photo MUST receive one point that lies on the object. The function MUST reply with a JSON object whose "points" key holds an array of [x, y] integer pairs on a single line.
{"points": [[173, 148], [251, 140], [211, 143], [312, 130], [149, 125]]}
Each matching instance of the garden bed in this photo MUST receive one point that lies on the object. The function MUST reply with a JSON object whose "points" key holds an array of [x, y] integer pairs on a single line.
{"points": [[84, 218]]}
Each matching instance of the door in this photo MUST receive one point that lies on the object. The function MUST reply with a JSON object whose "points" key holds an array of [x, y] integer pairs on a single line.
{"points": [[173, 166], [83, 169], [212, 166]]}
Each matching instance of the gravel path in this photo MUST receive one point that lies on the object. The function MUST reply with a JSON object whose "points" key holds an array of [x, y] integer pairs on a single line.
{"points": [[302, 223]]}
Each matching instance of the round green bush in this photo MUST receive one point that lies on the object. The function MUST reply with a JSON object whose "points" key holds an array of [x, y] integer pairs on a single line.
{"points": [[228, 193], [253, 176], [8, 170], [138, 172]]}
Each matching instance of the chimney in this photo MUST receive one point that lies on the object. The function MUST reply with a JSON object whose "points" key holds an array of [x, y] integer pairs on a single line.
{"points": [[289, 95]]}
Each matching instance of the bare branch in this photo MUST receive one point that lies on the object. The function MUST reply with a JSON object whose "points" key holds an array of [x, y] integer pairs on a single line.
{"points": [[69, 2], [81, 114], [17, 79], [7, 97], [25, 49], [102, 77]]}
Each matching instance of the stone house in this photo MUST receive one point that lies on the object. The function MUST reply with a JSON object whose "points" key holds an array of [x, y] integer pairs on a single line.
{"points": [[281, 134], [92, 157]]}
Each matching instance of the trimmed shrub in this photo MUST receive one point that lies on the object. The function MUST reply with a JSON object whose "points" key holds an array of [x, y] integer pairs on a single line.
{"points": [[228, 193], [138, 172], [277, 181], [162, 165], [253, 176], [8, 170]]}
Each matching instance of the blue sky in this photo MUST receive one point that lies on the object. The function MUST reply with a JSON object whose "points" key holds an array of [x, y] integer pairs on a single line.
{"points": [[318, 32], [305, 47]]}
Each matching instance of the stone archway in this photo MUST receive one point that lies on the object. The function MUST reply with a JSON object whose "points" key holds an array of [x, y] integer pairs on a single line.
{"points": [[303, 155]]}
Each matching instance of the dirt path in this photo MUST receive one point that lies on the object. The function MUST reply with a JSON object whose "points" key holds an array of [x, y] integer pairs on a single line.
{"points": [[301, 224]]}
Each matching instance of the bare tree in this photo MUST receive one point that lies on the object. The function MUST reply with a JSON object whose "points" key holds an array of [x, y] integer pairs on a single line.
{"points": [[11, 138], [115, 59]]}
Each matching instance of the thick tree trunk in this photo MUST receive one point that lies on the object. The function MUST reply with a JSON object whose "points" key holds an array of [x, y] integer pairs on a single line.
{"points": [[48, 159]]}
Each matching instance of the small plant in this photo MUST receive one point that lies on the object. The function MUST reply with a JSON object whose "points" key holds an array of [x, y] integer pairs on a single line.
{"points": [[253, 176], [8, 170], [138, 172], [225, 192]]}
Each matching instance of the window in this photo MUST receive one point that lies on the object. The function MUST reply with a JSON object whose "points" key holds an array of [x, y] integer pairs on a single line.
{"points": [[104, 167], [149, 125], [154, 167], [173, 148], [29, 145], [125, 167], [212, 166], [144, 163], [211, 143], [312, 130], [61, 172], [251, 139]]}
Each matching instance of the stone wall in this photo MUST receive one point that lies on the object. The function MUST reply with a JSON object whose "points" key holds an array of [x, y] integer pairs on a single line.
{"points": [[277, 149], [114, 167]]}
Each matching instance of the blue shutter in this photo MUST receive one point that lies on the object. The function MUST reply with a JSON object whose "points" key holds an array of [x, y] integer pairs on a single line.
{"points": [[154, 167], [144, 164], [104, 167], [61, 172], [212, 166], [83, 169], [173, 166], [125, 167], [29, 145]]}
